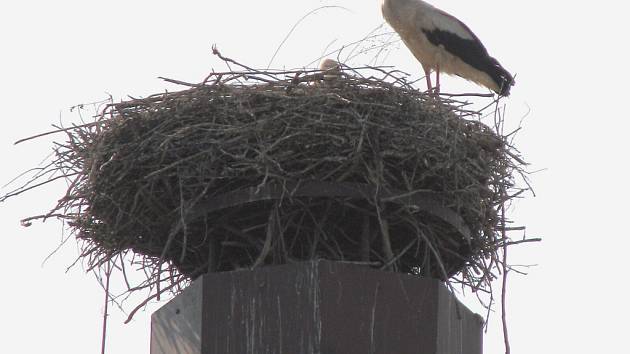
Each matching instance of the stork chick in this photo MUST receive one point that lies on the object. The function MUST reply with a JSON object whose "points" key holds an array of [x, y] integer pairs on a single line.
{"points": [[330, 67], [443, 43]]}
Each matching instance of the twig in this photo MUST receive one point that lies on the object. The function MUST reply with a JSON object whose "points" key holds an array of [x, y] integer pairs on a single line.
{"points": [[108, 274], [147, 300], [506, 340], [22, 190], [61, 130], [271, 230], [178, 82], [510, 243], [295, 26]]}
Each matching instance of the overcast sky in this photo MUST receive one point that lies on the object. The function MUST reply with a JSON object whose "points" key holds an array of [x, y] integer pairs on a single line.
{"points": [[570, 59]]}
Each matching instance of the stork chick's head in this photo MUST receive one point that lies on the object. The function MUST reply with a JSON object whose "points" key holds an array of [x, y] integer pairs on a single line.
{"points": [[331, 68], [328, 64]]}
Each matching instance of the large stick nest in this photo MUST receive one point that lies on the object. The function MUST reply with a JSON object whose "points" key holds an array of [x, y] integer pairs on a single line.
{"points": [[254, 168]]}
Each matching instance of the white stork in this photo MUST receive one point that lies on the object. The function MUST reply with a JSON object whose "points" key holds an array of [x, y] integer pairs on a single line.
{"points": [[443, 43]]}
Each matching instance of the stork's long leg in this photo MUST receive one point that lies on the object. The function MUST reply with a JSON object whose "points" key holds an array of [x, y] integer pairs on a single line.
{"points": [[427, 75], [437, 79]]}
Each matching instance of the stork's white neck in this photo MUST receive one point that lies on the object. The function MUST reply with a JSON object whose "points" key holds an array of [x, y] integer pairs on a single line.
{"points": [[396, 9], [405, 4]]}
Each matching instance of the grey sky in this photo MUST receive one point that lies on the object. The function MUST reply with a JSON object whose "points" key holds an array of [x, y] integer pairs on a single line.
{"points": [[570, 59]]}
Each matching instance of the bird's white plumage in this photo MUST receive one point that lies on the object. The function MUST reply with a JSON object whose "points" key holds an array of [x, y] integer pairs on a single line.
{"points": [[411, 19], [329, 64], [331, 68]]}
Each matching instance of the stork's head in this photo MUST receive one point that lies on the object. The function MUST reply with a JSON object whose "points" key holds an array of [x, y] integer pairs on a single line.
{"points": [[506, 85]]}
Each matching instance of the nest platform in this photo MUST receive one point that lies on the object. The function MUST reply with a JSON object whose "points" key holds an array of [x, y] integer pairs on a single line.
{"points": [[255, 168]]}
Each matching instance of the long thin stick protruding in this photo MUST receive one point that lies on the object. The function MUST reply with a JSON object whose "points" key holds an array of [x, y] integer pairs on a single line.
{"points": [[108, 274]]}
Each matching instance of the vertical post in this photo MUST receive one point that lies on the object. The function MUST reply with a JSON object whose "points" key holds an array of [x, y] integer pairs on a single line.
{"points": [[318, 307]]}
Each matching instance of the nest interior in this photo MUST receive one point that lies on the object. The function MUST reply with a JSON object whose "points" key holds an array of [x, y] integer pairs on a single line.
{"points": [[266, 168]]}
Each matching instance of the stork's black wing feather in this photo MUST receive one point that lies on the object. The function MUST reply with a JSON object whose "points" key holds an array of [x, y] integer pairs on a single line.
{"points": [[473, 53]]}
